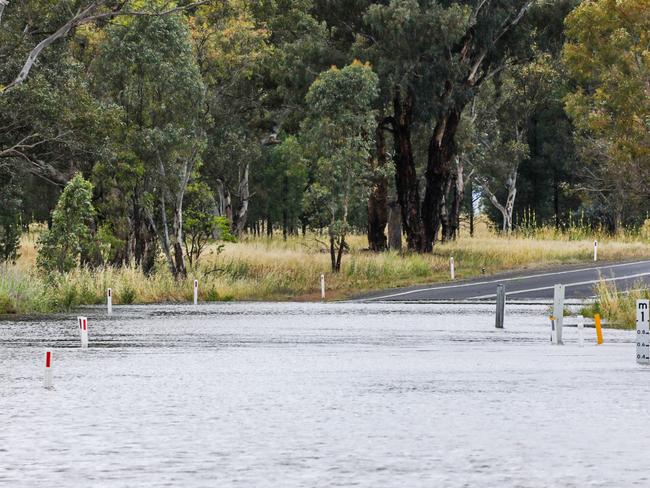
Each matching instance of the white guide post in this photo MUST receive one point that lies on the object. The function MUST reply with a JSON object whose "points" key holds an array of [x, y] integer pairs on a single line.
{"points": [[109, 300], [595, 250], [322, 286], [83, 331], [452, 271], [47, 375], [196, 292], [642, 332], [558, 312], [581, 330]]}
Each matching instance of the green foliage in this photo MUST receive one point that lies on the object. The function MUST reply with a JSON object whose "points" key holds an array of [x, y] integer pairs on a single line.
{"points": [[338, 133], [201, 225], [10, 230], [61, 248]]}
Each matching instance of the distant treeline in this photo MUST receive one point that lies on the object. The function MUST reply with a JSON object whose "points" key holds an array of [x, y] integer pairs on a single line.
{"points": [[200, 120]]}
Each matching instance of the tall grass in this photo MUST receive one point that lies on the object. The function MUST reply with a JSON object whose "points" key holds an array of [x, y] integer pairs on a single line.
{"points": [[274, 269], [617, 307]]}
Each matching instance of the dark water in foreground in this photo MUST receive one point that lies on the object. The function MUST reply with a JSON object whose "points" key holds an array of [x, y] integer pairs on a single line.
{"points": [[288, 395]]}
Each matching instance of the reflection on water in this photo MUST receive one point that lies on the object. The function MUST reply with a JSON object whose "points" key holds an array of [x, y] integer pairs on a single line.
{"points": [[288, 395]]}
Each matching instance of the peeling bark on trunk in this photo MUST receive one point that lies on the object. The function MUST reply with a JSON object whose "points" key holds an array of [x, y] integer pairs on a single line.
{"points": [[394, 226], [442, 149], [457, 201], [406, 182], [244, 196], [378, 200]]}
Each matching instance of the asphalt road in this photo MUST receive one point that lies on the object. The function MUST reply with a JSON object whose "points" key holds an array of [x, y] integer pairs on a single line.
{"points": [[529, 285]]}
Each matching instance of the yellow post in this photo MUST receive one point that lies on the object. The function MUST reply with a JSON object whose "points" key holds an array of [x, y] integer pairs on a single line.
{"points": [[599, 330]]}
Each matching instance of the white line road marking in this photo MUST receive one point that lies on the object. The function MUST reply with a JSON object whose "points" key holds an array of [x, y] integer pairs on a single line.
{"points": [[567, 285], [496, 280]]}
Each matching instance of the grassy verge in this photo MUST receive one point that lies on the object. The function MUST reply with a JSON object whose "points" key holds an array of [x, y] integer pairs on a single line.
{"points": [[618, 308], [273, 269]]}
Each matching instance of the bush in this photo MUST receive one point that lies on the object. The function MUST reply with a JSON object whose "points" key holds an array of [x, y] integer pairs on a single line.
{"points": [[6, 305], [61, 248]]}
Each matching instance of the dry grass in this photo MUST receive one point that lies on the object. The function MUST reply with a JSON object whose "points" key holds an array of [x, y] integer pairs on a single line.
{"points": [[273, 269], [618, 308]]}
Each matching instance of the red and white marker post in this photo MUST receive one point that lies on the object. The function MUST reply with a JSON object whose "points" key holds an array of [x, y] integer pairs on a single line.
{"points": [[47, 375], [83, 331], [109, 300], [196, 292], [595, 250], [452, 268]]}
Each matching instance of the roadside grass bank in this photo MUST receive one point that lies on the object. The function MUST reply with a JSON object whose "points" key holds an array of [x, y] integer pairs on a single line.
{"points": [[274, 269], [617, 307]]}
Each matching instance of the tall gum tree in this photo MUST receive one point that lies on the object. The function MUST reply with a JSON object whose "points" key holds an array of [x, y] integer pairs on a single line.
{"points": [[432, 57]]}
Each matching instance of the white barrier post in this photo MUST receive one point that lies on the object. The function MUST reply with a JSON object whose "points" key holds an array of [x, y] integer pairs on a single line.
{"points": [[595, 250], [558, 312], [322, 286], [196, 292], [642, 332], [581, 330], [452, 271], [47, 375], [109, 300], [83, 331]]}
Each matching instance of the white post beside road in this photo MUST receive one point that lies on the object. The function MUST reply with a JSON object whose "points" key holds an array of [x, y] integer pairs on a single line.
{"points": [[642, 332], [581, 330], [322, 286], [47, 374], [83, 331], [196, 292], [595, 250], [109, 300], [452, 271], [558, 311]]}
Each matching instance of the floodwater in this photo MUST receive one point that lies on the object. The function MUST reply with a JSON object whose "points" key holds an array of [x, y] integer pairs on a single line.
{"points": [[311, 395]]}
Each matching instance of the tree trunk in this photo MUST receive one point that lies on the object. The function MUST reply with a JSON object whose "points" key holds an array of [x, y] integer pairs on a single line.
{"points": [[269, 226], [458, 198], [244, 196], [471, 207], [406, 182], [442, 149], [394, 226], [378, 199], [181, 270]]}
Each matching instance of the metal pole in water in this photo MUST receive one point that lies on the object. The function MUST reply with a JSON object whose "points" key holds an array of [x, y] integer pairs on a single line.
{"points": [[595, 250], [196, 292], [501, 306], [642, 332], [47, 375], [109, 300], [558, 311], [581, 330], [599, 329], [322, 286], [452, 271], [83, 331]]}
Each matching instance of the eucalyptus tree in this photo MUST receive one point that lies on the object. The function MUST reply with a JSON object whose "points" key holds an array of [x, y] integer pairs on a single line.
{"points": [[147, 66], [432, 57], [339, 134]]}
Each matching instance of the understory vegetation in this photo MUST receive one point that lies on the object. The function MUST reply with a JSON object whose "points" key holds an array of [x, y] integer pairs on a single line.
{"points": [[616, 306], [266, 268]]}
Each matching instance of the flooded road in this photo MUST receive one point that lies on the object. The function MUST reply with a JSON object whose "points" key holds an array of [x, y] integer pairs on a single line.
{"points": [[311, 395]]}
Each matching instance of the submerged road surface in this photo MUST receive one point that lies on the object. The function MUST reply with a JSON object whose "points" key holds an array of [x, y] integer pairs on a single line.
{"points": [[531, 285], [292, 395]]}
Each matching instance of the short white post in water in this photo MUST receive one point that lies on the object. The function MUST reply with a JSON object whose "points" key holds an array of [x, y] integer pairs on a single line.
{"points": [[452, 271], [595, 250], [558, 312], [47, 375], [83, 331], [322, 286], [642, 332], [196, 292], [109, 300], [581, 330]]}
